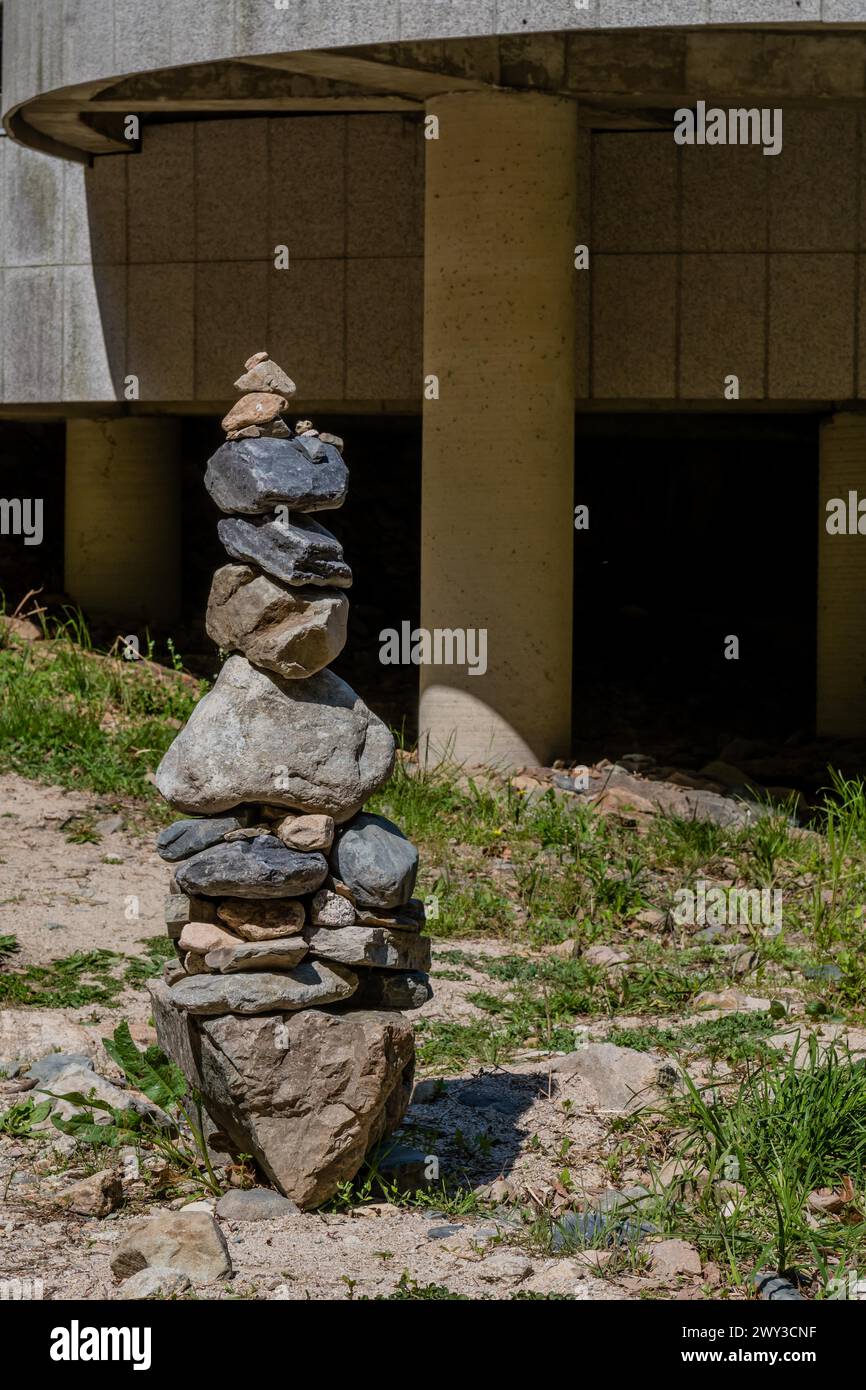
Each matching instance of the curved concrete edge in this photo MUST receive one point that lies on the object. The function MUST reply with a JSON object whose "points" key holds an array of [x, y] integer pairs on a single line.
{"points": [[93, 39]]}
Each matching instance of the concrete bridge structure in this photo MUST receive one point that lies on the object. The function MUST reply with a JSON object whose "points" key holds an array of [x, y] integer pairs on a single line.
{"points": [[487, 219]]}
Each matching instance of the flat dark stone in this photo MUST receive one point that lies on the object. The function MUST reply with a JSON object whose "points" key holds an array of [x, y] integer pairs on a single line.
{"points": [[299, 551], [186, 837], [256, 475], [260, 868]]}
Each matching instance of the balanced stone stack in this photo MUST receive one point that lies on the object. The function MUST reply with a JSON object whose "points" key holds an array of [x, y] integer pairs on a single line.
{"points": [[298, 938]]}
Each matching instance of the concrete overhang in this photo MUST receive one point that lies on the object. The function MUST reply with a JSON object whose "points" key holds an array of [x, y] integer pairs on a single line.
{"points": [[618, 77]]}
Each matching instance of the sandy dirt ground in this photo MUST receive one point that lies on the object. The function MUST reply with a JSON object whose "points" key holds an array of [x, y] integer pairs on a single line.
{"points": [[59, 895]]}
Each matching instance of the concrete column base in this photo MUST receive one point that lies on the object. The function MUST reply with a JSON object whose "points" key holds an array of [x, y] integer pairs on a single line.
{"points": [[122, 544], [499, 336], [841, 677]]}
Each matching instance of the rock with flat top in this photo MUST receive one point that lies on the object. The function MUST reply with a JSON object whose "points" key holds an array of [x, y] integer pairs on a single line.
{"points": [[306, 832], [261, 992], [254, 1204], [377, 946], [622, 1078], [189, 1242], [204, 936], [282, 953], [186, 837]]}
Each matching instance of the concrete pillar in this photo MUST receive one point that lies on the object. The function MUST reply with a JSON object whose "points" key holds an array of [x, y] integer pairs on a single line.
{"points": [[841, 696], [122, 556], [497, 500]]}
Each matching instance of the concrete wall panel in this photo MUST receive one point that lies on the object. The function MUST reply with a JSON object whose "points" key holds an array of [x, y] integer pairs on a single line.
{"points": [[306, 328], [33, 194], [162, 180], [385, 187], [722, 326], [95, 218], [724, 198], [231, 190], [161, 339], [94, 332], [307, 204], [812, 312], [231, 321], [33, 337], [634, 321], [384, 329], [635, 205], [814, 182]]}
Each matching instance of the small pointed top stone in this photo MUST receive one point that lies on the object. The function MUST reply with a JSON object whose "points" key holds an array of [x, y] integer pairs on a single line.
{"points": [[266, 376], [254, 361]]}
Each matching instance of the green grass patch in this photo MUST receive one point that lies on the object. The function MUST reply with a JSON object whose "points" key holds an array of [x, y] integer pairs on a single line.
{"points": [[83, 978], [84, 719]]}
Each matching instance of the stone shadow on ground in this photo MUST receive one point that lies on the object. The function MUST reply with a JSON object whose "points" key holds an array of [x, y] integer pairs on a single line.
{"points": [[474, 1126]]}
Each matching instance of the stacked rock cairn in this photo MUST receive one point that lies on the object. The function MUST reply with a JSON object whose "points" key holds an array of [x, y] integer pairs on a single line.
{"points": [[298, 939]]}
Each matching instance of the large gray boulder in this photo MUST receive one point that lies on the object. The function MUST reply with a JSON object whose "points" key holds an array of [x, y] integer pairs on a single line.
{"points": [[378, 946], [310, 745], [257, 475], [259, 868], [375, 861], [295, 552], [295, 632], [262, 992], [306, 1094]]}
